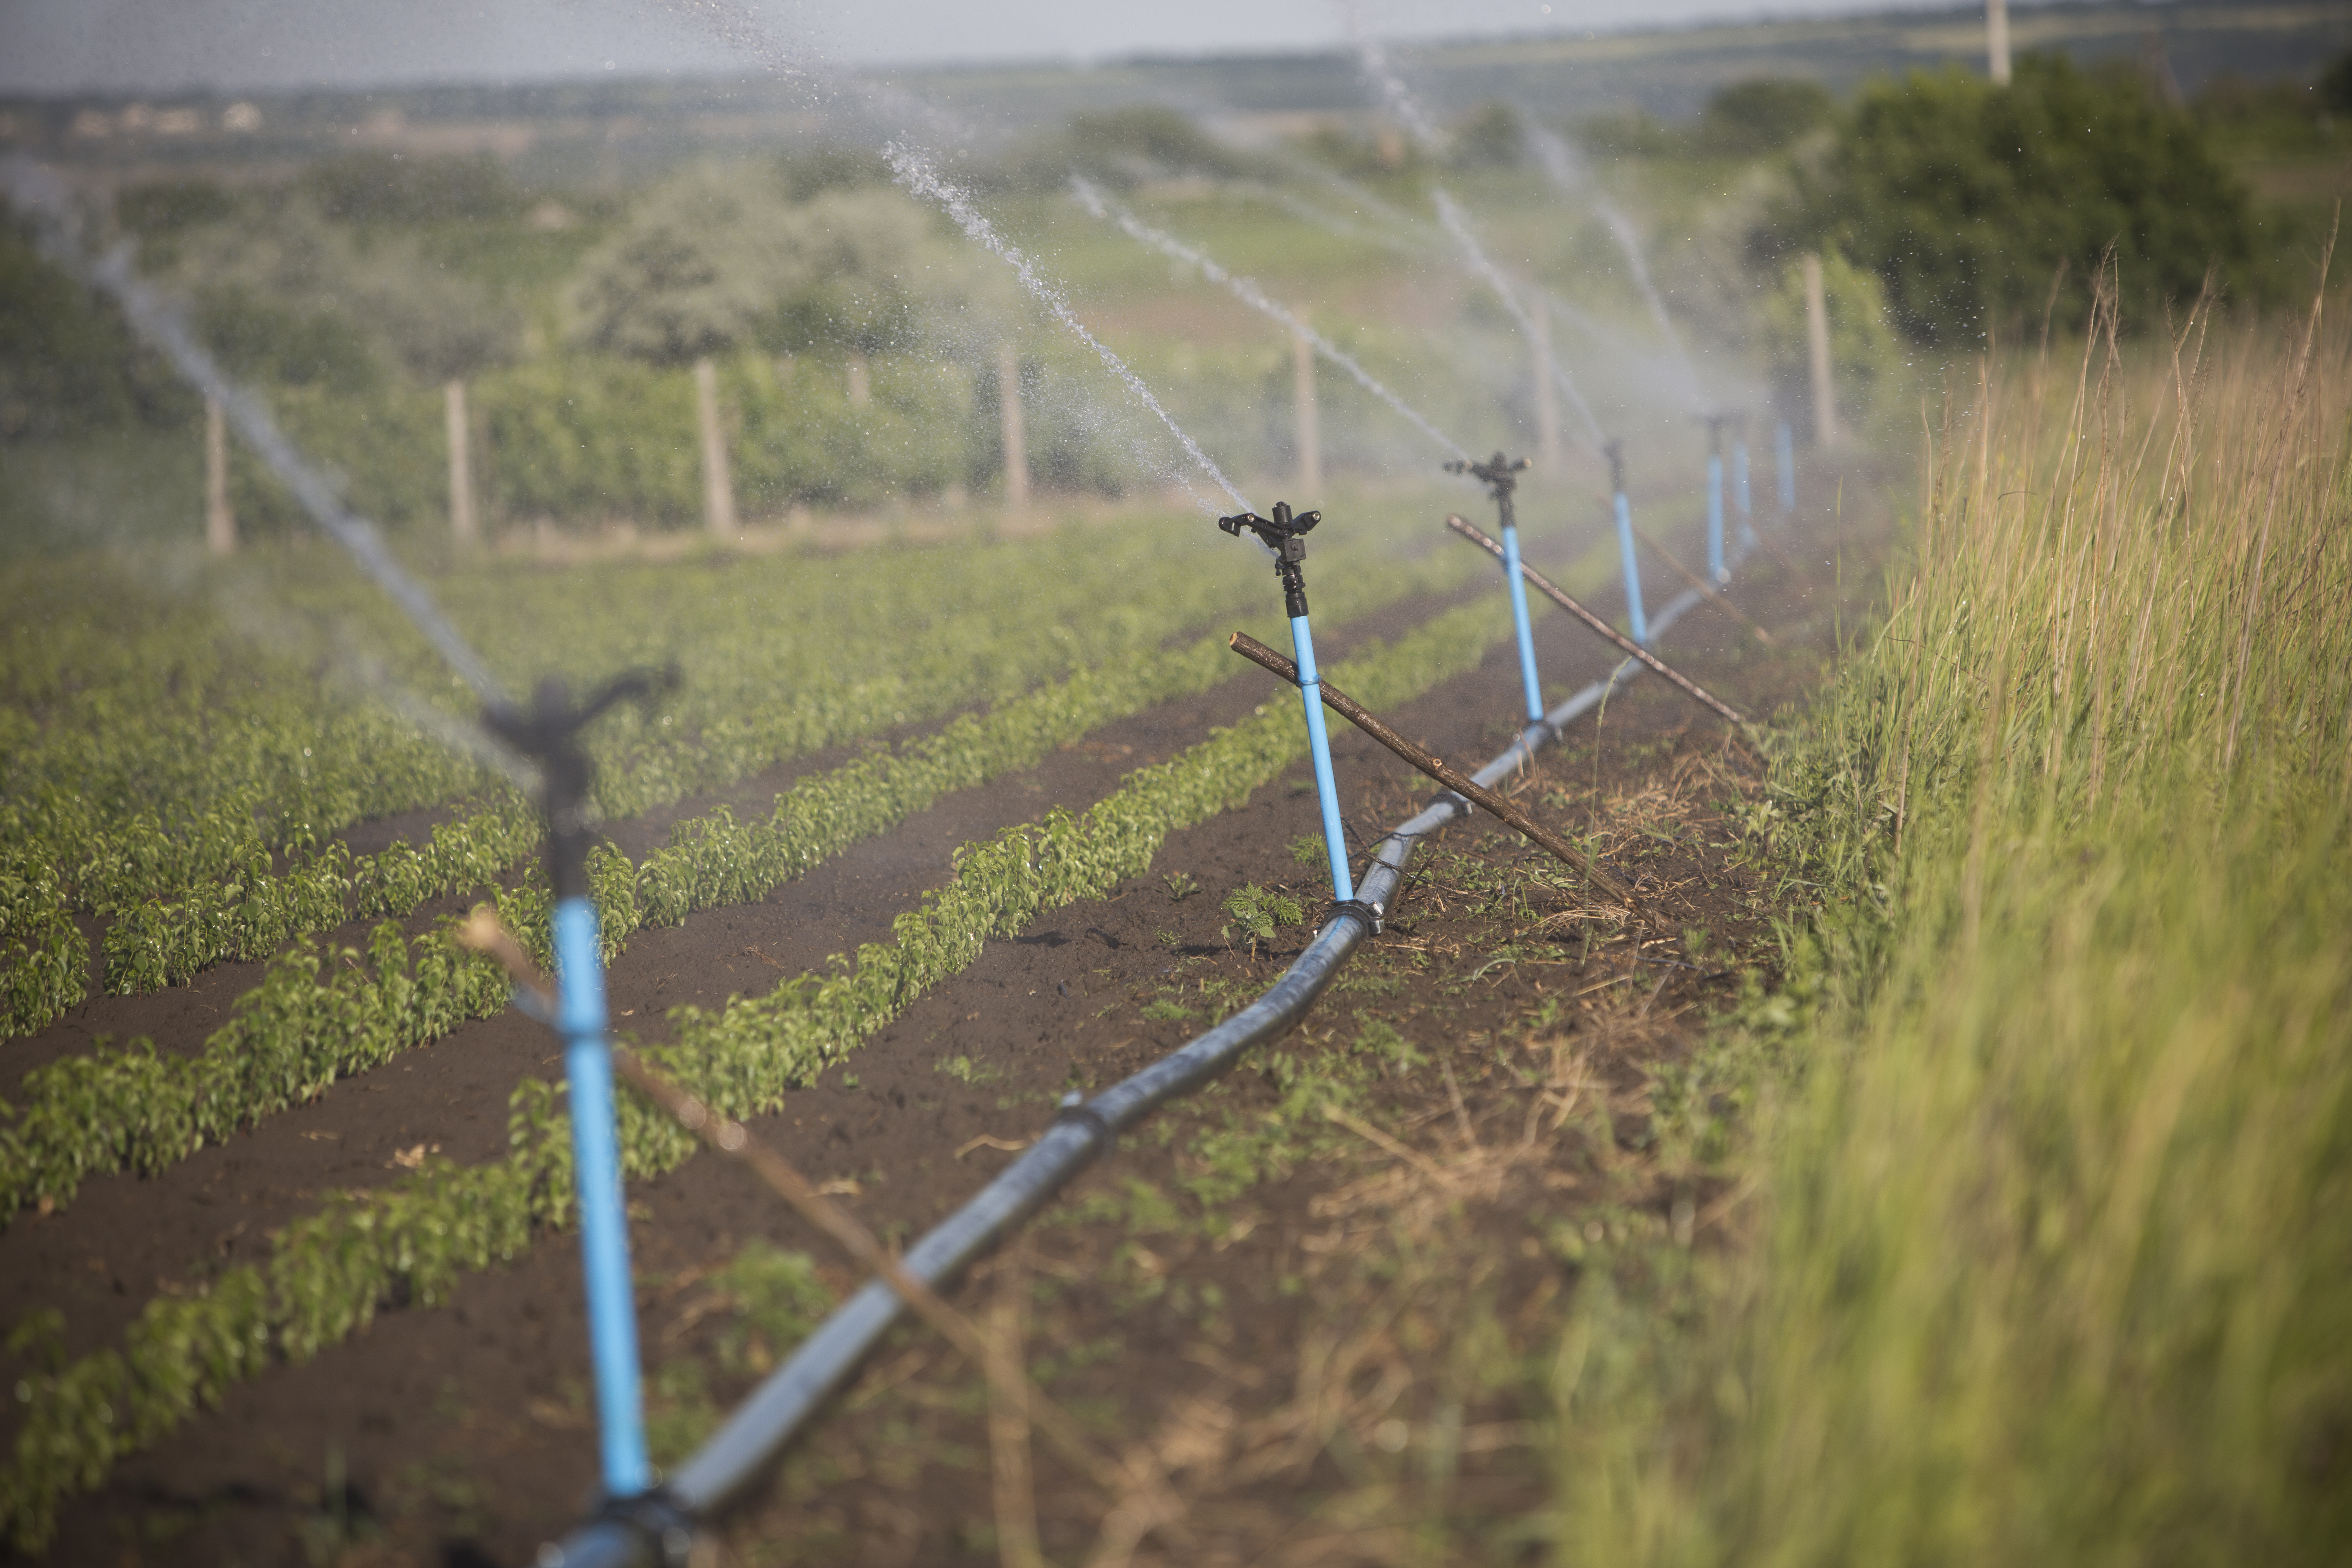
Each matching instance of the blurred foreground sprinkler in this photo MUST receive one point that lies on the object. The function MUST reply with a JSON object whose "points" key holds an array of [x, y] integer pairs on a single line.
{"points": [[1500, 475], [1784, 449], [1284, 535], [1634, 613], [549, 734]]}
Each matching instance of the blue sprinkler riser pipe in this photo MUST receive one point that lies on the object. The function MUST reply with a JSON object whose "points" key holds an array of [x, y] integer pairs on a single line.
{"points": [[1640, 622], [1519, 623], [1714, 519], [1784, 448], [1327, 787], [603, 1218], [1739, 494]]}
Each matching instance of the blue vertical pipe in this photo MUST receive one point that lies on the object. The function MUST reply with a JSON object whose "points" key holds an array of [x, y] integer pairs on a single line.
{"points": [[1714, 568], [1639, 618], [1519, 623], [1785, 449], [604, 1220], [1739, 493], [1327, 787]]}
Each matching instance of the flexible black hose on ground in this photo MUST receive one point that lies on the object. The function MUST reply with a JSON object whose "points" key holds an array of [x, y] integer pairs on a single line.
{"points": [[656, 1530]]}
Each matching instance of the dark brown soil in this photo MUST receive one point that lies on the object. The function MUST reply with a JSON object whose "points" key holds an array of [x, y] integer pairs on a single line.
{"points": [[457, 1435]]}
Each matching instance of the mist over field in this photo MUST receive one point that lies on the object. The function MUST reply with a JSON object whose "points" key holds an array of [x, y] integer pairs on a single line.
{"points": [[720, 533]]}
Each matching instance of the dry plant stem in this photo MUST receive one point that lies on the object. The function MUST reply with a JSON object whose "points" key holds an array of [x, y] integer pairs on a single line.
{"points": [[1714, 595], [1461, 784], [1631, 649], [1012, 1486]]}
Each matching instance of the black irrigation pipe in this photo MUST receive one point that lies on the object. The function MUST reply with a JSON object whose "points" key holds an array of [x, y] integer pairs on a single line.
{"points": [[655, 1529]]}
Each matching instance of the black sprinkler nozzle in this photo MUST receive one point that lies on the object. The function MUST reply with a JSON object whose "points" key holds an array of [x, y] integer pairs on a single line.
{"points": [[1716, 424], [1615, 451], [1283, 534], [1500, 475], [549, 733]]}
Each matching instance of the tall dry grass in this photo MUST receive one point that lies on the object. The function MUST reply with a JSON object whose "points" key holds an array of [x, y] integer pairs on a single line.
{"points": [[2054, 1255]]}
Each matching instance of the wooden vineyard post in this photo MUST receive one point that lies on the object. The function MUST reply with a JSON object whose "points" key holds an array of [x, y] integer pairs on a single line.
{"points": [[1547, 399], [462, 524], [1817, 351], [1310, 419], [1997, 41], [1008, 409], [220, 523], [717, 482]]}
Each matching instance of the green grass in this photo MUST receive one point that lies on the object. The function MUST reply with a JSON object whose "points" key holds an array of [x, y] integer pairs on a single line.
{"points": [[2048, 1261]]}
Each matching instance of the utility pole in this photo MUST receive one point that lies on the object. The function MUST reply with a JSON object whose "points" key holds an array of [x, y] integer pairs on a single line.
{"points": [[1817, 350], [1008, 413], [220, 523], [717, 482], [462, 524], [1997, 41], [1309, 422]]}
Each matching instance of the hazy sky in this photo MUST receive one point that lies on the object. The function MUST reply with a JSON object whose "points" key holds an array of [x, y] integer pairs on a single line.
{"points": [[155, 46]]}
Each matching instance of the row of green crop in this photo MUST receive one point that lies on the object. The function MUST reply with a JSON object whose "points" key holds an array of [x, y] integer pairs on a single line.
{"points": [[152, 759], [180, 898], [133, 1109], [330, 1272]]}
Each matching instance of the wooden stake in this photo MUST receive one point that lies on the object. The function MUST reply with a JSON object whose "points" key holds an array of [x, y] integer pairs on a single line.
{"points": [[1501, 806], [462, 524], [1008, 408], [1631, 649], [1309, 420], [220, 523], [1817, 353], [717, 482]]}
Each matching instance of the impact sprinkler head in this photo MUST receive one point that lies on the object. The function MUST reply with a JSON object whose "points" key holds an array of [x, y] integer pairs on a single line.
{"points": [[548, 732], [1717, 423], [1497, 473], [1615, 452], [1283, 534]]}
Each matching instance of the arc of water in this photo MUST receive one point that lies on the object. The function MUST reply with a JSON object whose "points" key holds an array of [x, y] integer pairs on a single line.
{"points": [[34, 189], [1372, 56], [1561, 165], [914, 172], [1459, 228], [1248, 292]]}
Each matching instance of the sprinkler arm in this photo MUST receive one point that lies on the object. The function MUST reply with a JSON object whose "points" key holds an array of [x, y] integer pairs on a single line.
{"points": [[1283, 533]]}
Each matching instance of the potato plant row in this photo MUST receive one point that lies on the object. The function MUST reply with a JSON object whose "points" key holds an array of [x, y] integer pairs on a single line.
{"points": [[160, 790], [331, 1271], [311, 1021]]}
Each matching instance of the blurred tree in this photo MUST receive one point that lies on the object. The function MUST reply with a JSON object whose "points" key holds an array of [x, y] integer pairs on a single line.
{"points": [[719, 259], [1762, 114], [400, 187], [298, 301], [1967, 199], [1491, 138], [2336, 85], [68, 363]]}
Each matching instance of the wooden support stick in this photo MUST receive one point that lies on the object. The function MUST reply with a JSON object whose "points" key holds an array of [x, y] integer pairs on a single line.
{"points": [[1503, 807], [1544, 586], [1703, 586]]}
